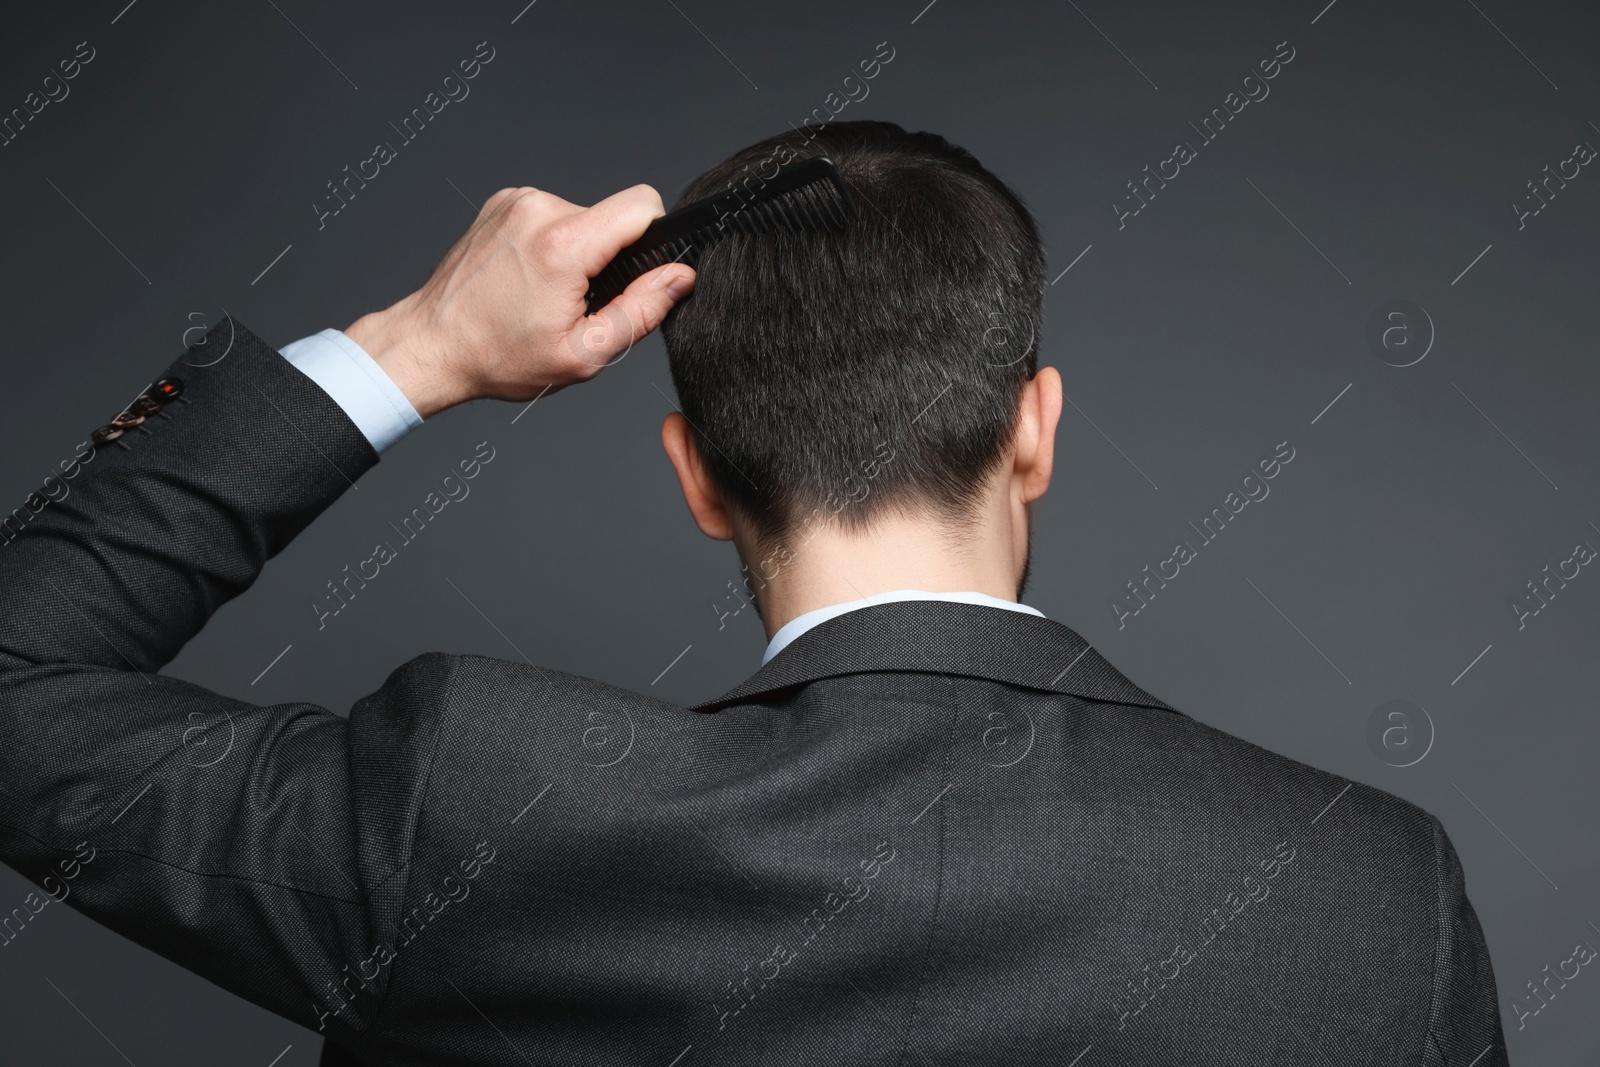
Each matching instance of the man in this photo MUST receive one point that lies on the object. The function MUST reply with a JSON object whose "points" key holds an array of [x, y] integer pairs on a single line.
{"points": [[933, 828]]}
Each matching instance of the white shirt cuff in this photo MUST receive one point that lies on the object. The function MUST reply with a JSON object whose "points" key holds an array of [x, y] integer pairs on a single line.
{"points": [[354, 381]]}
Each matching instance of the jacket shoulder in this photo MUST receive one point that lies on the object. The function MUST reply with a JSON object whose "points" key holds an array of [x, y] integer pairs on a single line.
{"points": [[1367, 830]]}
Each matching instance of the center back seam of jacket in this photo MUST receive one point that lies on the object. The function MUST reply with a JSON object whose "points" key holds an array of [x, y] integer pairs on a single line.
{"points": [[938, 897]]}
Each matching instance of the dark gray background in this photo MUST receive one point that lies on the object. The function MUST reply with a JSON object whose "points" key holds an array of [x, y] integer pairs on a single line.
{"points": [[1192, 342]]}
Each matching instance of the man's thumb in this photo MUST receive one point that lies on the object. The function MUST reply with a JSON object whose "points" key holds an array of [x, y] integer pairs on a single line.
{"points": [[649, 297], [614, 329]]}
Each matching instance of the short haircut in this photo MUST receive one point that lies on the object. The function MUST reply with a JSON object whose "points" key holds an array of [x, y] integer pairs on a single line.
{"points": [[802, 360]]}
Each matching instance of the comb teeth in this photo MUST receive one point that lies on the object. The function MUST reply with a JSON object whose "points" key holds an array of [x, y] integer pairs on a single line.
{"points": [[804, 197]]}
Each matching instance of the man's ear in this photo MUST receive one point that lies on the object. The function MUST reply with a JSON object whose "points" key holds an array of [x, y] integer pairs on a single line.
{"points": [[1036, 434], [705, 502]]}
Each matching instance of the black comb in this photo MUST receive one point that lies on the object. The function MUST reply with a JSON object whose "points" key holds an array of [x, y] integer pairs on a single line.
{"points": [[804, 197]]}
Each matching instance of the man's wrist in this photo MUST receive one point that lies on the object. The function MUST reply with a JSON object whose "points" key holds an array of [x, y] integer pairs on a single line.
{"points": [[401, 346]]}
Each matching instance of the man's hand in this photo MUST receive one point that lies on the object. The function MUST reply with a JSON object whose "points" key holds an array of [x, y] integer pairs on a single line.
{"points": [[503, 315]]}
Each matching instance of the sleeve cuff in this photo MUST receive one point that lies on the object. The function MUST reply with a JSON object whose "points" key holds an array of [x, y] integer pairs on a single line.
{"points": [[354, 381]]}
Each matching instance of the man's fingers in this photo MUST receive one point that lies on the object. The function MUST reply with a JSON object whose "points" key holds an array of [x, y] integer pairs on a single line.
{"points": [[608, 227], [608, 333]]}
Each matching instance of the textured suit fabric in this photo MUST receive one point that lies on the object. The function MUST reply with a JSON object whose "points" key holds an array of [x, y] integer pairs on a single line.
{"points": [[924, 834]]}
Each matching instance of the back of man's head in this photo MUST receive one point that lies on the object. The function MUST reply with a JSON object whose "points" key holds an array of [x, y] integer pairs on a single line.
{"points": [[802, 360]]}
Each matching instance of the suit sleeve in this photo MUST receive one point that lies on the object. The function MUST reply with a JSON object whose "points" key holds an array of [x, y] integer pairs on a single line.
{"points": [[264, 848], [1464, 1022]]}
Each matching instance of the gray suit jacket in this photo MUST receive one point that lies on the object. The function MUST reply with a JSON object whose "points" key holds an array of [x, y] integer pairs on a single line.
{"points": [[924, 834]]}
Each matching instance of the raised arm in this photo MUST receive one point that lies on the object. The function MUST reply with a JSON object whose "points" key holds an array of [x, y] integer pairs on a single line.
{"points": [[262, 847]]}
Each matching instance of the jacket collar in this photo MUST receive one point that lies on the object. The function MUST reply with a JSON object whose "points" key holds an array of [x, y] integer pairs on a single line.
{"points": [[941, 637]]}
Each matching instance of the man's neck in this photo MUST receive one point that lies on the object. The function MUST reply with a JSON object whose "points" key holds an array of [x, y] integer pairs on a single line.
{"points": [[825, 565]]}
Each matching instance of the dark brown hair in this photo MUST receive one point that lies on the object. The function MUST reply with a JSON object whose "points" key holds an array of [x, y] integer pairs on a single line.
{"points": [[803, 360]]}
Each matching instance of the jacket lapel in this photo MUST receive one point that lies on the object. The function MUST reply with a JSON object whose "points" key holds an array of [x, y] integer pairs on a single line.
{"points": [[941, 637]]}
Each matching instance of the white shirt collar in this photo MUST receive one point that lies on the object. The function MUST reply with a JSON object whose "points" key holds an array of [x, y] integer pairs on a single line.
{"points": [[799, 625]]}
